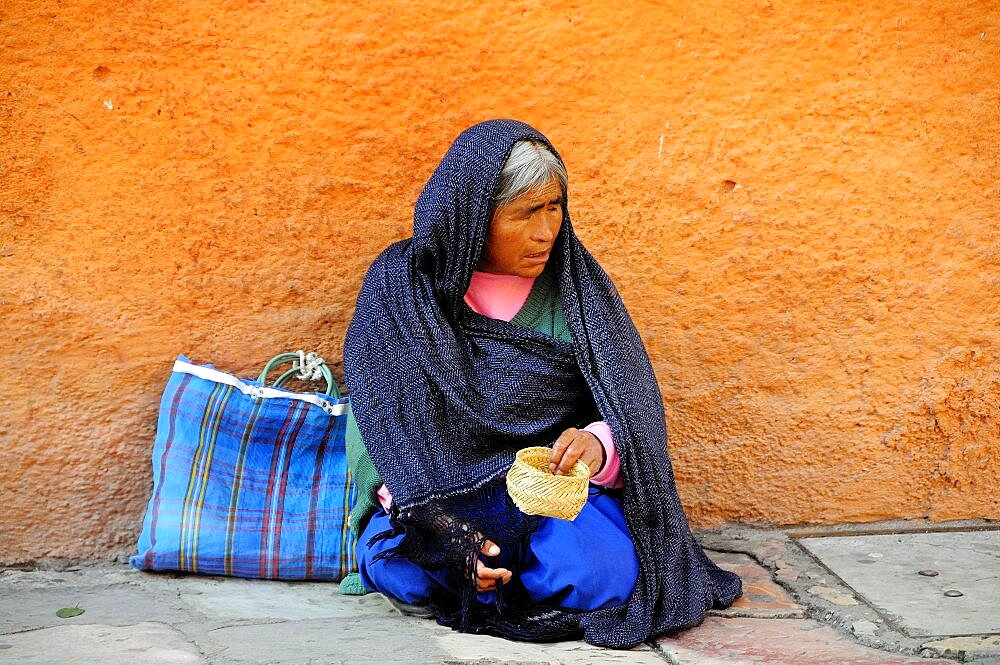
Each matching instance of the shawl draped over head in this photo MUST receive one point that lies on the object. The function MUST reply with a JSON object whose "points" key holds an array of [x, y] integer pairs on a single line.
{"points": [[444, 398]]}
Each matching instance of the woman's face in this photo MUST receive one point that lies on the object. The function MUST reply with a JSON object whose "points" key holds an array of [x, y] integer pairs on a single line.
{"points": [[522, 233]]}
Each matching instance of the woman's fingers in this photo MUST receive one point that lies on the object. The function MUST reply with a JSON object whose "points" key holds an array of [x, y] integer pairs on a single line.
{"points": [[574, 444], [486, 577], [564, 453]]}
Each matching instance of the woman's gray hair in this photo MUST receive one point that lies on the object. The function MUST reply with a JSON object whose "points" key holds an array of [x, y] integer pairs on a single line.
{"points": [[531, 165]]}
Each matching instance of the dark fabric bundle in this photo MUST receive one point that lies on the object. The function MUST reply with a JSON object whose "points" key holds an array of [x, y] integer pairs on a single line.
{"points": [[444, 398]]}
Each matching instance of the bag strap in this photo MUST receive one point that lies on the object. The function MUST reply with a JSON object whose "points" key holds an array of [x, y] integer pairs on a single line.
{"points": [[259, 392], [306, 366]]}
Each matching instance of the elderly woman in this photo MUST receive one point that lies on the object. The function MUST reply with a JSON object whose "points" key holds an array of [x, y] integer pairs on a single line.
{"points": [[490, 330]]}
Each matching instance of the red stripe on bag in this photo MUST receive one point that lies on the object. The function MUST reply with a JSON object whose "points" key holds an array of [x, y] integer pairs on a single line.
{"points": [[265, 527], [171, 428], [234, 498], [206, 474], [276, 549], [310, 557], [187, 509]]}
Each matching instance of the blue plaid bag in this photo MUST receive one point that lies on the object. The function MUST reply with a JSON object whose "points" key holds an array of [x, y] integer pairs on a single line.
{"points": [[249, 480]]}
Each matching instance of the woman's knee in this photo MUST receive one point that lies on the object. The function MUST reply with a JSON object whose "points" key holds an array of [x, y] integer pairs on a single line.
{"points": [[394, 576], [588, 564]]}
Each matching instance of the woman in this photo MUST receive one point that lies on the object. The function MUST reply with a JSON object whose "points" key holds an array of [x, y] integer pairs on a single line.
{"points": [[490, 330]]}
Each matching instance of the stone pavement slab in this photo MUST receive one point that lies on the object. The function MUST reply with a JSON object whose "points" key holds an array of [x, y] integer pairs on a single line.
{"points": [[27, 609], [395, 640], [885, 570], [133, 617], [249, 600], [836, 604], [979, 649], [742, 641], [469, 649], [761, 598], [144, 642]]}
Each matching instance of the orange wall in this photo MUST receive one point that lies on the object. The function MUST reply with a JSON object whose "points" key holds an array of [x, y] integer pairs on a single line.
{"points": [[798, 201]]}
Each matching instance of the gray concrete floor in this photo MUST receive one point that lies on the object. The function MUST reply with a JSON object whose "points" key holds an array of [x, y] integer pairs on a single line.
{"points": [[808, 602], [939, 584]]}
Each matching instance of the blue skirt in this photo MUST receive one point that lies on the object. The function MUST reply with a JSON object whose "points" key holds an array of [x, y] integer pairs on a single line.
{"points": [[586, 564]]}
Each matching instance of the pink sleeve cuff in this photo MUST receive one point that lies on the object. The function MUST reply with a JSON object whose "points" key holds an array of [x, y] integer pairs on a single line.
{"points": [[385, 498], [610, 474]]}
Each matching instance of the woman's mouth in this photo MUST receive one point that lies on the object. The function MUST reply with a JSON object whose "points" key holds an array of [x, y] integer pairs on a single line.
{"points": [[538, 257]]}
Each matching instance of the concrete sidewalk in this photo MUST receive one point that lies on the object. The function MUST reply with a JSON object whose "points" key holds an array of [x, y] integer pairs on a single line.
{"points": [[794, 611]]}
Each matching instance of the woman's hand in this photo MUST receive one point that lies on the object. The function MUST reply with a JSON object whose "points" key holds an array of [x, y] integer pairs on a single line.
{"points": [[486, 578], [459, 532], [574, 444]]}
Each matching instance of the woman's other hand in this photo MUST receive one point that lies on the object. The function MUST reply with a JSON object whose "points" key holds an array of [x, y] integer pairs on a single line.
{"points": [[486, 577], [574, 444]]}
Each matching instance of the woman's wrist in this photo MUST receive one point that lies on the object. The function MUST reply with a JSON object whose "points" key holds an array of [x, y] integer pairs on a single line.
{"points": [[610, 473]]}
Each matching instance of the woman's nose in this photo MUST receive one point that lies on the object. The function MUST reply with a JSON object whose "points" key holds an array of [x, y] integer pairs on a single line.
{"points": [[547, 226]]}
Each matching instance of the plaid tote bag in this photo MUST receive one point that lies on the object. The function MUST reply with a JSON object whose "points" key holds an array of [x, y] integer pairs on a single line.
{"points": [[248, 480]]}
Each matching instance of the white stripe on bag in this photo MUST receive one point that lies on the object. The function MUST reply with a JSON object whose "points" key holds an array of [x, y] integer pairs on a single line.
{"points": [[330, 408]]}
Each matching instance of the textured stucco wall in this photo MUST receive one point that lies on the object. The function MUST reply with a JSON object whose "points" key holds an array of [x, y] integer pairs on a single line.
{"points": [[798, 202]]}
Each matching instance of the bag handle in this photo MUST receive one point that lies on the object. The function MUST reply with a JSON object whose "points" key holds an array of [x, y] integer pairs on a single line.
{"points": [[307, 366]]}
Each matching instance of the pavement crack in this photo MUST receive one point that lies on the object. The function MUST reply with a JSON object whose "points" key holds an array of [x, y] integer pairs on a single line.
{"points": [[658, 650], [248, 622], [29, 630]]}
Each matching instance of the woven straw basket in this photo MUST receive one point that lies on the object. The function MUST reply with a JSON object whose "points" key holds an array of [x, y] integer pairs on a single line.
{"points": [[536, 491]]}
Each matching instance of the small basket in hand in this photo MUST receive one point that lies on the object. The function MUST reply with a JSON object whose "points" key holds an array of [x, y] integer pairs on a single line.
{"points": [[537, 491]]}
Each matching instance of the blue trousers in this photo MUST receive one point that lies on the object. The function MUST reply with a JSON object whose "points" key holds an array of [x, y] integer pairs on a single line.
{"points": [[586, 564]]}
